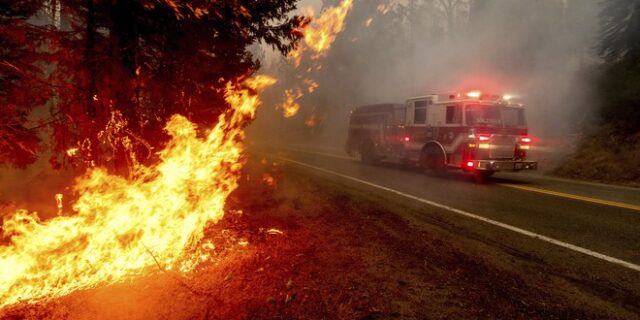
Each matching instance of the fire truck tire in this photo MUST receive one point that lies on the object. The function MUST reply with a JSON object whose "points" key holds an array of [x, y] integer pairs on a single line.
{"points": [[432, 160], [367, 153], [482, 176]]}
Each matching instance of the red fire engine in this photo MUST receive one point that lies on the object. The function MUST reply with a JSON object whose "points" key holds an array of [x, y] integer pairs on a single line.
{"points": [[474, 132]]}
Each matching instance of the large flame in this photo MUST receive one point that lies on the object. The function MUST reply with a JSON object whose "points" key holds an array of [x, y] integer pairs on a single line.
{"points": [[318, 37], [122, 227], [322, 32]]}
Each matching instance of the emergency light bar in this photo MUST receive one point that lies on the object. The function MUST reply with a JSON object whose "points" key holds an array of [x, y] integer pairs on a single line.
{"points": [[474, 94], [477, 94]]}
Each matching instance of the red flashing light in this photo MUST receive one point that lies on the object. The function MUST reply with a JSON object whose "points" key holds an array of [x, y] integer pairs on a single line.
{"points": [[470, 164], [525, 139], [406, 139], [483, 138]]}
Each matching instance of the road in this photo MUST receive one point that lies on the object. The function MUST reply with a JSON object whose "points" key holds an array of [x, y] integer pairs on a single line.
{"points": [[599, 221]]}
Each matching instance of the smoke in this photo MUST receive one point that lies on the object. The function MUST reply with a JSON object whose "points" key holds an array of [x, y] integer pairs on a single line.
{"points": [[34, 188], [542, 51]]}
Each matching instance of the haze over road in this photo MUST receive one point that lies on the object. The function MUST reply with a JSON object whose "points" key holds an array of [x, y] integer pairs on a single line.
{"points": [[600, 218]]}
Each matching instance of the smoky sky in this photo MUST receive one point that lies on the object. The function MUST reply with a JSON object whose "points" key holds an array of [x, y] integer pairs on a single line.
{"points": [[543, 51]]}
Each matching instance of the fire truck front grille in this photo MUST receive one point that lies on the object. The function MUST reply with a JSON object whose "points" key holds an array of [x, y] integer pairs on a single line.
{"points": [[502, 147]]}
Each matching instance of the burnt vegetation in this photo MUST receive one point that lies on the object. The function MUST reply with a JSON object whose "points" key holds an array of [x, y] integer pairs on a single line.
{"points": [[102, 77]]}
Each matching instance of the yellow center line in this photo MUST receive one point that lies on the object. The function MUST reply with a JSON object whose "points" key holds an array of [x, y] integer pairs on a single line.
{"points": [[575, 197]]}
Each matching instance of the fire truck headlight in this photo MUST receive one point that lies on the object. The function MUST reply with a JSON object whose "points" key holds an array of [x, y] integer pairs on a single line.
{"points": [[484, 146]]}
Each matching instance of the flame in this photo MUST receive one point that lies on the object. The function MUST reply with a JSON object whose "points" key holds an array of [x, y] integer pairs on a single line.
{"points": [[318, 36], [124, 227], [311, 85], [59, 203], [72, 152], [311, 121], [321, 33], [290, 106], [268, 180], [274, 231], [383, 9], [368, 22]]}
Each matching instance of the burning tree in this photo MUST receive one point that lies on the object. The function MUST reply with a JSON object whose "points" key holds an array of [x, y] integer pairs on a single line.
{"points": [[124, 74], [113, 72], [123, 79]]}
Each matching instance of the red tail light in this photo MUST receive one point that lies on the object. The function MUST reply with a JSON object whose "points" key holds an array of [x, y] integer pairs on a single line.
{"points": [[406, 139]]}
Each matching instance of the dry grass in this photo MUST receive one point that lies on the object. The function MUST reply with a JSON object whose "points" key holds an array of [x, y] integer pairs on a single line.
{"points": [[605, 157]]}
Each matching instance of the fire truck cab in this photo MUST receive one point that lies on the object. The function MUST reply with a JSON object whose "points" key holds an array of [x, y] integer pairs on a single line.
{"points": [[474, 132]]}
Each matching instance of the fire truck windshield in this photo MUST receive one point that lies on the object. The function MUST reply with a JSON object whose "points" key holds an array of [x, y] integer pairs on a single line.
{"points": [[480, 115]]}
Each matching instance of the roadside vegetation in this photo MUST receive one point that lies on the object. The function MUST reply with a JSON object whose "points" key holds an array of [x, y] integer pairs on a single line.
{"points": [[610, 152]]}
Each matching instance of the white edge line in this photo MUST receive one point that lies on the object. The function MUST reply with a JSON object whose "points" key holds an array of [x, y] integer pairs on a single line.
{"points": [[534, 235]]}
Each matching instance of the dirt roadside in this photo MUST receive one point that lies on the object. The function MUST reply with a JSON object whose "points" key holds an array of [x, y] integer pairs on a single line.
{"points": [[322, 250]]}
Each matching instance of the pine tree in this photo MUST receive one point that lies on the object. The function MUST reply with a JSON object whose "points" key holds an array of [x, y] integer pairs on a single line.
{"points": [[619, 85], [620, 21], [22, 82], [121, 68]]}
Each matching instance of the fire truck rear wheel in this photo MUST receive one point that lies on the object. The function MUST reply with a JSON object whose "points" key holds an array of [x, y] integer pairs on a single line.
{"points": [[367, 153], [482, 176], [432, 160]]}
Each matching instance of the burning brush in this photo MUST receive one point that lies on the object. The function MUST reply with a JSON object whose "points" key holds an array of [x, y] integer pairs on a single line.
{"points": [[121, 226]]}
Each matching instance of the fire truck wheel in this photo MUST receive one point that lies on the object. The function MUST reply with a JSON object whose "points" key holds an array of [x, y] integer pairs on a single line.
{"points": [[432, 160], [482, 176], [367, 153]]}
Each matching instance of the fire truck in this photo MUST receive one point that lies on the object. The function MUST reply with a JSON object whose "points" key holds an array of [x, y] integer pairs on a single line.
{"points": [[475, 132]]}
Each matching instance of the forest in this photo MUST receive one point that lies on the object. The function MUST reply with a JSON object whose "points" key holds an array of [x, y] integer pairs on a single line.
{"points": [[93, 82]]}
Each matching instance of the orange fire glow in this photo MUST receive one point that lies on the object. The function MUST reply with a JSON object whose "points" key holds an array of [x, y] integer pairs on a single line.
{"points": [[290, 105], [321, 33], [121, 228], [383, 8]]}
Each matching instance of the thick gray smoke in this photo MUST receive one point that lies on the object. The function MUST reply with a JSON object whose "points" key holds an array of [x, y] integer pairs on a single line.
{"points": [[541, 50]]}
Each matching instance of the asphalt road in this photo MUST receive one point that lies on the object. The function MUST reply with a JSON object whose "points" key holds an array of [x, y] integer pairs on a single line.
{"points": [[597, 218]]}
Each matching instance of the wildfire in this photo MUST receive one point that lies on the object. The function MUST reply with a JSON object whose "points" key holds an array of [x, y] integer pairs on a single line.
{"points": [[311, 85], [383, 9], [311, 121], [120, 227], [290, 106], [321, 33], [59, 203], [368, 22], [72, 152]]}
